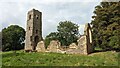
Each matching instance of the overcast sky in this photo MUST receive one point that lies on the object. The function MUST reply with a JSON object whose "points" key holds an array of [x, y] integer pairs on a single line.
{"points": [[53, 11]]}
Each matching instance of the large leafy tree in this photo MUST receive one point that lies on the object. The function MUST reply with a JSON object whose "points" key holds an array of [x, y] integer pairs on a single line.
{"points": [[67, 33], [13, 38], [106, 25]]}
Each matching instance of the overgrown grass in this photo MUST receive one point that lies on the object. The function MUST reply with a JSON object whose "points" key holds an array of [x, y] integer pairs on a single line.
{"points": [[109, 58]]}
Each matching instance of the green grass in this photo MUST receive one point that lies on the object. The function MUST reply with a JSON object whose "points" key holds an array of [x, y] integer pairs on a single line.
{"points": [[21, 58]]}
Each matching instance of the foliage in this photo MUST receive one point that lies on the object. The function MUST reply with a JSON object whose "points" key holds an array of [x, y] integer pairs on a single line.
{"points": [[56, 59], [67, 33], [50, 37], [106, 25], [13, 38]]}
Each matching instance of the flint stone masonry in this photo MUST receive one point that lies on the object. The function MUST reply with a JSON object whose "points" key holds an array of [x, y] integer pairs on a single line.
{"points": [[73, 49], [40, 46], [85, 41], [89, 41], [53, 46], [34, 38], [73, 46], [82, 45], [33, 30]]}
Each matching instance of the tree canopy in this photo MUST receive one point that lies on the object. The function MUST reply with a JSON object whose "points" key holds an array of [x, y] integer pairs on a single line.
{"points": [[13, 38], [67, 33], [106, 25]]}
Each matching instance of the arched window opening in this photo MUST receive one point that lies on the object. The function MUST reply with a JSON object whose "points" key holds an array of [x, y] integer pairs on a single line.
{"points": [[36, 31], [29, 28]]}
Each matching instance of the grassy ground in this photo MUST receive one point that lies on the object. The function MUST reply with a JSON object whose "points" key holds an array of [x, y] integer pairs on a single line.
{"points": [[109, 58]]}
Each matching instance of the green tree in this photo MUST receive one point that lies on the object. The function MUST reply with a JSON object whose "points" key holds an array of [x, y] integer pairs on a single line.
{"points": [[13, 38], [67, 33], [106, 25]]}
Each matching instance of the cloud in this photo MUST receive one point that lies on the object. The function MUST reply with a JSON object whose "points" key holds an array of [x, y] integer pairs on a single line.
{"points": [[50, 1], [53, 11]]}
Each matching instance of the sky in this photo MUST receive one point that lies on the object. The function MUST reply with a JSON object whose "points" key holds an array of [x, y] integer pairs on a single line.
{"points": [[14, 12]]}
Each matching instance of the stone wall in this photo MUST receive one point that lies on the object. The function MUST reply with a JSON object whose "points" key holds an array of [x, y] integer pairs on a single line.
{"points": [[40, 46], [53, 46], [73, 49], [89, 41], [84, 44]]}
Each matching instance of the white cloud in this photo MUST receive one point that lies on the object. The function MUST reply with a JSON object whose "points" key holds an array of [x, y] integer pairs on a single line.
{"points": [[53, 11]]}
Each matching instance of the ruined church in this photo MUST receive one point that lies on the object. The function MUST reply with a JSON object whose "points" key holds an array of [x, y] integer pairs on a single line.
{"points": [[34, 40]]}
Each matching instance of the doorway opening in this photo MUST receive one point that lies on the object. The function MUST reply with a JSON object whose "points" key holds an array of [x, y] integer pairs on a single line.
{"points": [[36, 40]]}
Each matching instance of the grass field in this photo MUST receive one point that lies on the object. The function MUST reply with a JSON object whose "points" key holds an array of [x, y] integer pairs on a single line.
{"points": [[109, 58]]}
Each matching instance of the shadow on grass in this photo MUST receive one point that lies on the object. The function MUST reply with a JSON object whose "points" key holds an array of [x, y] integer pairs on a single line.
{"points": [[12, 54], [95, 51], [106, 50], [98, 51]]}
